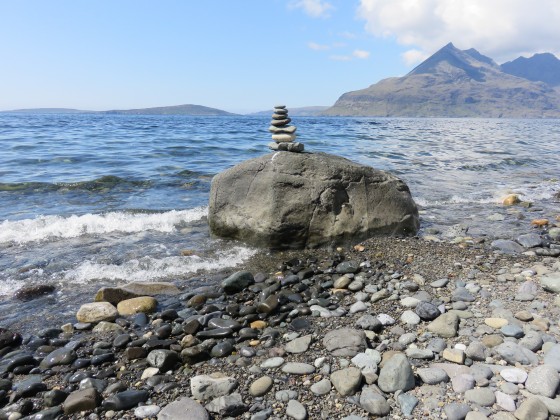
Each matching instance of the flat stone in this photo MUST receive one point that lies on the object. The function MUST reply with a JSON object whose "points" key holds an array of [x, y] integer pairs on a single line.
{"points": [[396, 374], [505, 401], [146, 411], [184, 408], [446, 325], [507, 246], [346, 381], [416, 353], [462, 294], [514, 375], [142, 304], [96, 311], [261, 386], [496, 323], [81, 400], [482, 396], [552, 357], [369, 323], [358, 306], [374, 403], [532, 409], [207, 387], [432, 376], [456, 411], [368, 360], [543, 380], [227, 405], [296, 410], [295, 368], [512, 331], [61, 356], [345, 342], [551, 282], [476, 351], [272, 363], [151, 288], [454, 355], [322, 387], [222, 349], [553, 405], [125, 400], [530, 240], [514, 353], [410, 318], [462, 383], [298, 345], [407, 402]]}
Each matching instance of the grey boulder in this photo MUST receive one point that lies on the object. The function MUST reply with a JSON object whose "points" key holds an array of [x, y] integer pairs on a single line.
{"points": [[305, 200]]}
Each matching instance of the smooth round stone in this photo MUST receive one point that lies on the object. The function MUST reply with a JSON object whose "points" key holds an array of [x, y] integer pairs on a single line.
{"points": [[514, 375], [482, 396], [409, 302], [215, 333], [374, 403], [407, 402], [505, 401], [296, 368], [223, 349], [346, 381], [386, 319], [61, 356], [298, 345], [407, 338], [284, 137], [296, 410], [147, 411], [427, 311], [224, 323], [355, 286], [496, 323], [512, 331], [358, 306], [125, 400], [437, 345], [410, 318], [96, 311], [322, 387], [261, 386], [462, 383], [416, 353], [144, 304], [286, 395], [396, 374], [543, 380], [300, 324], [456, 411], [272, 363], [532, 409], [280, 123], [342, 282]]}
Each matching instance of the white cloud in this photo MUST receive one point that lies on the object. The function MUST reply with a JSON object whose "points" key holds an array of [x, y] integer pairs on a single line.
{"points": [[412, 57], [360, 54], [502, 29], [318, 47], [340, 58], [314, 8]]}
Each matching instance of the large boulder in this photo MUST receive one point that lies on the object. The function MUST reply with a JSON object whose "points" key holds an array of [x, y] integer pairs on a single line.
{"points": [[307, 200]]}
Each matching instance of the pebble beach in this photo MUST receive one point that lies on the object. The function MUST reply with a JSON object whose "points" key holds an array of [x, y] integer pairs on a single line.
{"points": [[390, 328]]}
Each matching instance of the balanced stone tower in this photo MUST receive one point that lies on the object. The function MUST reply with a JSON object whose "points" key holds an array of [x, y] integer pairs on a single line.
{"points": [[282, 133]]}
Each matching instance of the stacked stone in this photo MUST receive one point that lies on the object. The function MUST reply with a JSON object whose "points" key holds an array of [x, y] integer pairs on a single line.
{"points": [[282, 133]]}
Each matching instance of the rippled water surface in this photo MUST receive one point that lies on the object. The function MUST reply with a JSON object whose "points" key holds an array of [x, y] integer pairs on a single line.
{"points": [[88, 200]]}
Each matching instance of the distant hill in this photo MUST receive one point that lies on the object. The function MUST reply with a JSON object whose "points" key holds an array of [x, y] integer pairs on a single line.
{"points": [[453, 83], [172, 110], [539, 68], [48, 111], [197, 110], [306, 111]]}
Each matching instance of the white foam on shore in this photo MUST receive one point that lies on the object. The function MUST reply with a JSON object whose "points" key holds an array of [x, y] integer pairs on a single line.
{"points": [[152, 269], [56, 227], [9, 286]]}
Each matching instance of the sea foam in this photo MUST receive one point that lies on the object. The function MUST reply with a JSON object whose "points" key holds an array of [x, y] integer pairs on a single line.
{"points": [[152, 269], [51, 228]]}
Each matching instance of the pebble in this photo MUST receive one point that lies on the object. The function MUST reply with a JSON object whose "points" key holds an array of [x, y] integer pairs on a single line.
{"points": [[505, 401], [322, 387], [147, 411], [374, 403], [261, 386], [396, 374], [446, 325], [543, 380], [532, 409], [298, 345], [296, 410], [346, 381], [296, 368], [482, 396], [432, 376]]}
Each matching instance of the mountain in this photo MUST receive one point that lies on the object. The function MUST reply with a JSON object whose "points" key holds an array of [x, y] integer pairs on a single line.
{"points": [[539, 68], [306, 111], [172, 110], [453, 83]]}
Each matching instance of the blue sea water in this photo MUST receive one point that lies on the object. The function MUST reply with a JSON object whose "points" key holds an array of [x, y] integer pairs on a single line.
{"points": [[89, 200]]}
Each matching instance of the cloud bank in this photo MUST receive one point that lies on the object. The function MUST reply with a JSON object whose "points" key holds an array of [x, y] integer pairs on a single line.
{"points": [[501, 29]]}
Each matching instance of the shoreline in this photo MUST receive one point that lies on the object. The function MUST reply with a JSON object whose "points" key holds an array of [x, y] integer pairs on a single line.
{"points": [[389, 278]]}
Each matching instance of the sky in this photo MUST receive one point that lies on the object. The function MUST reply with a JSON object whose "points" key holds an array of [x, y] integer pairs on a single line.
{"points": [[246, 55]]}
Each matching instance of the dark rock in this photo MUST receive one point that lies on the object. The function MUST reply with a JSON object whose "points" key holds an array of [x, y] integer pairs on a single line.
{"points": [[215, 333], [9, 338], [81, 363], [224, 323], [530, 240], [125, 400], [294, 200], [507, 246], [62, 356], [140, 319], [54, 397], [33, 292], [345, 342], [223, 349], [121, 341], [300, 324], [427, 311], [164, 360], [347, 267], [132, 353], [237, 282], [164, 331], [102, 358], [269, 305], [48, 414]]}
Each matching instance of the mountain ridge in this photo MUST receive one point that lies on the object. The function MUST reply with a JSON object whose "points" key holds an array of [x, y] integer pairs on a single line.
{"points": [[186, 109], [453, 83]]}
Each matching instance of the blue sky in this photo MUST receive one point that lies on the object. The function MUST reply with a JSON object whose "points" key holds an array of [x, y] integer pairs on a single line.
{"points": [[245, 55]]}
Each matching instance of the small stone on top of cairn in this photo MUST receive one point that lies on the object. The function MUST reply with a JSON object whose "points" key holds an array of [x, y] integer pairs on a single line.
{"points": [[282, 133]]}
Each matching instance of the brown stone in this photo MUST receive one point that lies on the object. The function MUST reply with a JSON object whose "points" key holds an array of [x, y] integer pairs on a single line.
{"points": [[144, 304]]}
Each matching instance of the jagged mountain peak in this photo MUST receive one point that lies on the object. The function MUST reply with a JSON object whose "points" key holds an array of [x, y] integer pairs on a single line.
{"points": [[542, 67], [449, 58]]}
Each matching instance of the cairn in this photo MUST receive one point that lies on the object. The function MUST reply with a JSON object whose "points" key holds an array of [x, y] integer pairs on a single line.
{"points": [[282, 133]]}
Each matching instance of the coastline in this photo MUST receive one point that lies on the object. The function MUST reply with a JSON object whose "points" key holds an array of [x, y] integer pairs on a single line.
{"points": [[395, 274]]}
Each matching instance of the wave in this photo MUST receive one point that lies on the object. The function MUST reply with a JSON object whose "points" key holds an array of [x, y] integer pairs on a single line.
{"points": [[151, 269], [57, 227], [104, 183]]}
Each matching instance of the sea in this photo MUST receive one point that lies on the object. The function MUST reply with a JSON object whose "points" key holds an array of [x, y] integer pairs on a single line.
{"points": [[92, 200]]}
